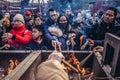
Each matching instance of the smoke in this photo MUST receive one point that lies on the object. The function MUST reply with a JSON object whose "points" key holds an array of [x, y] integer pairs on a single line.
{"points": [[73, 5], [79, 5], [24, 3]]}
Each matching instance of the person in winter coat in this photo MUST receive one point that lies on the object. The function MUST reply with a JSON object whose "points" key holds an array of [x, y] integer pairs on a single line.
{"points": [[65, 27], [5, 25], [38, 21], [18, 36], [29, 19], [51, 21], [6, 22], [106, 25], [69, 15], [81, 32], [38, 41]]}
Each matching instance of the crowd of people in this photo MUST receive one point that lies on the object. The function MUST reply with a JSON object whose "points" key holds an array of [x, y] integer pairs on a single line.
{"points": [[58, 30], [33, 31]]}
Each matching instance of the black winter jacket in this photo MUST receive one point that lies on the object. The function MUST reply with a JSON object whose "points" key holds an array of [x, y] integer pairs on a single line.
{"points": [[99, 30]]}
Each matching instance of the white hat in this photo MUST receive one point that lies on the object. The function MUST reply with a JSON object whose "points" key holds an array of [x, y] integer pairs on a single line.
{"points": [[19, 17]]}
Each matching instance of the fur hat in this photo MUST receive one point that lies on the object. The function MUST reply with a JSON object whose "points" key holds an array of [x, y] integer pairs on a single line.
{"points": [[19, 17], [51, 70]]}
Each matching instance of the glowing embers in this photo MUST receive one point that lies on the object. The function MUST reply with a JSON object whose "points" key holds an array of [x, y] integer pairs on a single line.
{"points": [[86, 74], [12, 65], [6, 66]]}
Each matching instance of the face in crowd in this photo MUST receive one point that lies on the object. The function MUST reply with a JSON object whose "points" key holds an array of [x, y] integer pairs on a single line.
{"points": [[53, 15], [79, 19], [109, 16], [63, 22], [36, 33], [38, 21], [68, 12], [18, 23], [28, 16], [63, 19], [79, 15]]}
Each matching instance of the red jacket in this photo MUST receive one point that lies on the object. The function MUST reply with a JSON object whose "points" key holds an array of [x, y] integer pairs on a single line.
{"points": [[22, 36]]}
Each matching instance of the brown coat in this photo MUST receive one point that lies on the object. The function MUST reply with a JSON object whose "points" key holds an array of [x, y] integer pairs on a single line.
{"points": [[51, 70]]}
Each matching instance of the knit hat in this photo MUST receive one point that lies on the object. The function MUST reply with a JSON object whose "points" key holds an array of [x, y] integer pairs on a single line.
{"points": [[51, 70], [19, 17]]}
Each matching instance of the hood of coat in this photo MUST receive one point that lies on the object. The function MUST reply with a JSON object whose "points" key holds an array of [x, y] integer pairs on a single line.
{"points": [[55, 31]]}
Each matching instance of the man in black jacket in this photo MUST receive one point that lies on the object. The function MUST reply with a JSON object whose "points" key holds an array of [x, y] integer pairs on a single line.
{"points": [[106, 25]]}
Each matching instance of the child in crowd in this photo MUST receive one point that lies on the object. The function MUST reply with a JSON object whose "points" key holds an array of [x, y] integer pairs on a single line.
{"points": [[38, 41], [38, 20]]}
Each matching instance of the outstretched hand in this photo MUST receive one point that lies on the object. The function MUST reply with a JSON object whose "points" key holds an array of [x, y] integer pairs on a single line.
{"points": [[98, 49], [90, 42]]}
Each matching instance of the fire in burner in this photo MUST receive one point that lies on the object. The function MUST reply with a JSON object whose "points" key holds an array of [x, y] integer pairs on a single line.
{"points": [[6, 66], [85, 73], [12, 65]]}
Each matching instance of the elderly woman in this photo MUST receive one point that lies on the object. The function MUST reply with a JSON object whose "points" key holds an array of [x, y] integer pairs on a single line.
{"points": [[19, 36]]}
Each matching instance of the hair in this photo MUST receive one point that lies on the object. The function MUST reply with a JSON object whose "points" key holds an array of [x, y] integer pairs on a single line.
{"points": [[38, 27], [51, 9], [35, 16], [113, 9], [58, 19]]}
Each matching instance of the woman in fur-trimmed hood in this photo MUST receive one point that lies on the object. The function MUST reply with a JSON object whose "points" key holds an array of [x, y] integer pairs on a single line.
{"points": [[64, 25], [68, 33], [61, 31]]}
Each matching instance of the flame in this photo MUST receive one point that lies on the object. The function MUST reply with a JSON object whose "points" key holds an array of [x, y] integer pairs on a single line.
{"points": [[91, 75], [83, 71], [74, 61], [13, 64]]}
